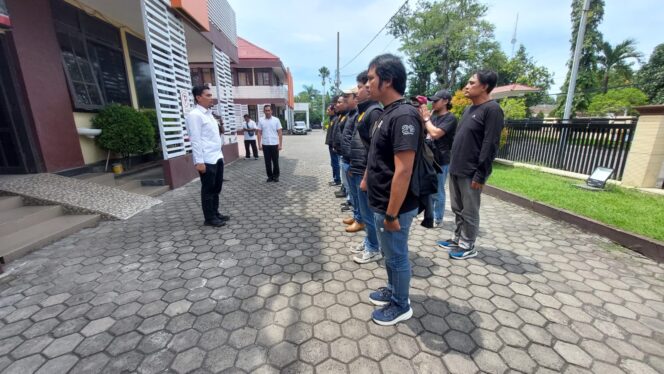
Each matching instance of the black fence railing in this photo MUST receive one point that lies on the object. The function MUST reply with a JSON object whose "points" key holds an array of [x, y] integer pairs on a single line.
{"points": [[578, 145]]}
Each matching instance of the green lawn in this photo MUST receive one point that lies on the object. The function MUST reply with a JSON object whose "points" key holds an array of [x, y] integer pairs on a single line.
{"points": [[627, 209]]}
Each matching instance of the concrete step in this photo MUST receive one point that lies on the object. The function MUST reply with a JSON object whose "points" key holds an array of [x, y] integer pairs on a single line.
{"points": [[106, 179], [151, 191], [129, 185], [10, 202], [25, 216], [21, 242]]}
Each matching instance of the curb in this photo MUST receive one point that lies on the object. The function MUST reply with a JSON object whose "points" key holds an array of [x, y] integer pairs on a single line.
{"points": [[651, 248]]}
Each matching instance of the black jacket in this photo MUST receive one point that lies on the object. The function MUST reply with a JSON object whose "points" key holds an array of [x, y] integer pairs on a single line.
{"points": [[347, 134], [338, 130], [368, 113], [330, 130]]}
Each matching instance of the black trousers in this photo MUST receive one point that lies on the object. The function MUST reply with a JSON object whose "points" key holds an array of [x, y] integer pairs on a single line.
{"points": [[211, 182], [271, 155], [254, 148]]}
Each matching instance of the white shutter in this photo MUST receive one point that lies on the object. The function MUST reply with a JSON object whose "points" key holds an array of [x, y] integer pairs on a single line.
{"points": [[165, 40], [225, 106]]}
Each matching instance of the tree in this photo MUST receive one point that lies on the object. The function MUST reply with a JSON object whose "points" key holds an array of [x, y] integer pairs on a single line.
{"points": [[617, 102], [514, 108], [587, 80], [314, 98], [522, 69], [616, 58], [443, 38], [651, 76]]}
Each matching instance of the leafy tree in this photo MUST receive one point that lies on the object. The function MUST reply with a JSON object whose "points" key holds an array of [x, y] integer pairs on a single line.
{"points": [[459, 103], [514, 108], [314, 98], [651, 76], [616, 58], [444, 38], [618, 102], [587, 80], [521, 68]]}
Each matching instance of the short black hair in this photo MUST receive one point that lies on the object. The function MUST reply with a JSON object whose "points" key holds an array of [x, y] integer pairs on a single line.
{"points": [[488, 77], [198, 90], [390, 68], [363, 77], [334, 99], [267, 106], [246, 116]]}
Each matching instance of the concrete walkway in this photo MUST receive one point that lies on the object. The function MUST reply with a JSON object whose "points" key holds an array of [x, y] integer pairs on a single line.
{"points": [[276, 291]]}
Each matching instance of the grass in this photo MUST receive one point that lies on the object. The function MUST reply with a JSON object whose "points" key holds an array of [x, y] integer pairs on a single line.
{"points": [[628, 209]]}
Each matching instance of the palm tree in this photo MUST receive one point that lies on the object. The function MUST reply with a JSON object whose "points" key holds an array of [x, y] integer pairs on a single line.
{"points": [[324, 74], [611, 57]]}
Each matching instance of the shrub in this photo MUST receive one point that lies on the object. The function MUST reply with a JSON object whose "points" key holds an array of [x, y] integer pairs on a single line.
{"points": [[151, 114], [459, 103], [514, 108], [124, 130]]}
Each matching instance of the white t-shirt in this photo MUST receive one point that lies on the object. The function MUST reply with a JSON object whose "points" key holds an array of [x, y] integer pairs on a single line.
{"points": [[251, 125], [269, 130]]}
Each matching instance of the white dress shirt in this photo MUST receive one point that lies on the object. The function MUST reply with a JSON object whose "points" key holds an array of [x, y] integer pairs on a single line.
{"points": [[251, 125], [269, 130], [204, 136]]}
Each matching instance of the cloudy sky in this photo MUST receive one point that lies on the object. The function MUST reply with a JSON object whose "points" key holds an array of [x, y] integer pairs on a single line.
{"points": [[303, 33]]}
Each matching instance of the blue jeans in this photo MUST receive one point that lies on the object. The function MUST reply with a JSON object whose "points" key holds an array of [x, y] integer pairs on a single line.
{"points": [[344, 178], [354, 185], [371, 241], [334, 162], [395, 249], [438, 199]]}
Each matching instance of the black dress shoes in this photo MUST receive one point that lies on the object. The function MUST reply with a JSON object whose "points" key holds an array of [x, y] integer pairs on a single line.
{"points": [[215, 223]]}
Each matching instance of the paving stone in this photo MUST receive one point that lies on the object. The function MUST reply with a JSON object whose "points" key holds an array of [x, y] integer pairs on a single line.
{"points": [[25, 365], [187, 361], [489, 362], [546, 357], [97, 326], [573, 354], [60, 364], [220, 359]]}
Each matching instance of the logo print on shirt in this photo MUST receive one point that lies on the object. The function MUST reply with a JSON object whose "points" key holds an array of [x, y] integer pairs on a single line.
{"points": [[407, 130]]}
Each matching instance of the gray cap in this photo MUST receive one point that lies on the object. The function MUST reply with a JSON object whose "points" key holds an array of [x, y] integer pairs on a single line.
{"points": [[442, 94]]}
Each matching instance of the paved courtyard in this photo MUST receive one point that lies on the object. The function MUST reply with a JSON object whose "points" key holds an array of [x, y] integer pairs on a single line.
{"points": [[276, 291]]}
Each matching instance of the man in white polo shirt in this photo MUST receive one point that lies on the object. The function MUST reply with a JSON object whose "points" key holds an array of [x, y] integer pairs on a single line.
{"points": [[208, 157], [270, 142]]}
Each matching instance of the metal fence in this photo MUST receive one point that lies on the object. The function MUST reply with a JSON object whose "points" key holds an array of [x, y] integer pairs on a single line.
{"points": [[578, 145]]}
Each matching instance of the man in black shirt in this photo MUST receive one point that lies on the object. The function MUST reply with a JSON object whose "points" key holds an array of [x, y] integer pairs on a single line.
{"points": [[368, 112], [473, 151], [440, 128], [334, 158], [394, 142]]}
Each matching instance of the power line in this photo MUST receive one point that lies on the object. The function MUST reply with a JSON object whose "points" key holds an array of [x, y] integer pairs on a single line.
{"points": [[375, 36], [356, 74]]}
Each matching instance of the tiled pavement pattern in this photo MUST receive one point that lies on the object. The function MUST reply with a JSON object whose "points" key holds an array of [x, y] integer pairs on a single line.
{"points": [[276, 291]]}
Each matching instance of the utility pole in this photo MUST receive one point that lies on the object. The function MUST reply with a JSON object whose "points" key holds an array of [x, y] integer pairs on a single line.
{"points": [[571, 88], [337, 81]]}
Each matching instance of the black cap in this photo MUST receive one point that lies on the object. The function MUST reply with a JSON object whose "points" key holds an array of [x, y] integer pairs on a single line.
{"points": [[442, 94]]}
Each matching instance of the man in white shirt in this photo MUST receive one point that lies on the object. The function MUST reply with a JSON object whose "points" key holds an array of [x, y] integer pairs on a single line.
{"points": [[249, 137], [208, 157], [270, 142]]}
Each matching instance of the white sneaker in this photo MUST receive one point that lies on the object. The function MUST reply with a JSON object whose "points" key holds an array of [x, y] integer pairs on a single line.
{"points": [[357, 248], [368, 256]]}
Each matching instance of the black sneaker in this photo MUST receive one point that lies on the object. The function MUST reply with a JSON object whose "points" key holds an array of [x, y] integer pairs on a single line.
{"points": [[269, 180], [275, 179], [223, 218]]}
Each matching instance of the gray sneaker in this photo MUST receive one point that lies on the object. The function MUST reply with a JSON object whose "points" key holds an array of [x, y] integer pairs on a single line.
{"points": [[357, 248], [367, 256]]}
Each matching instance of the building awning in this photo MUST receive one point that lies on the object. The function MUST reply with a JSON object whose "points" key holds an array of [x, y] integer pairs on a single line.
{"points": [[512, 90]]}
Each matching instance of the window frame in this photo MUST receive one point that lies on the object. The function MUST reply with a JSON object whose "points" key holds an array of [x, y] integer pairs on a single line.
{"points": [[85, 37]]}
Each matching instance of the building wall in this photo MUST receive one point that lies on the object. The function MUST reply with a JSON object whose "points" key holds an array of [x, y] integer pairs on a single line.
{"points": [[45, 85], [91, 151]]}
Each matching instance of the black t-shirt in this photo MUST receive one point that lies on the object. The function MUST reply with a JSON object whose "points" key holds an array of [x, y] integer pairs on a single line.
{"points": [[398, 129], [476, 141], [448, 123]]}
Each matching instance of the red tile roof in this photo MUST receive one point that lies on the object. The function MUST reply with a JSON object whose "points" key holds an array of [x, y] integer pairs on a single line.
{"points": [[251, 51]]}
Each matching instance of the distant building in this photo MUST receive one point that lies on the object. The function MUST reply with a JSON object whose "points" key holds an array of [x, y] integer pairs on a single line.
{"points": [[260, 78], [545, 109]]}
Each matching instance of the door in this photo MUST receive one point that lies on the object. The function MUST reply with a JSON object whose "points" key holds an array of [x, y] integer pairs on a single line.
{"points": [[16, 153]]}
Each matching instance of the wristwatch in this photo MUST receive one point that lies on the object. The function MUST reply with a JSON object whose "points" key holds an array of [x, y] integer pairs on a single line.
{"points": [[390, 218]]}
